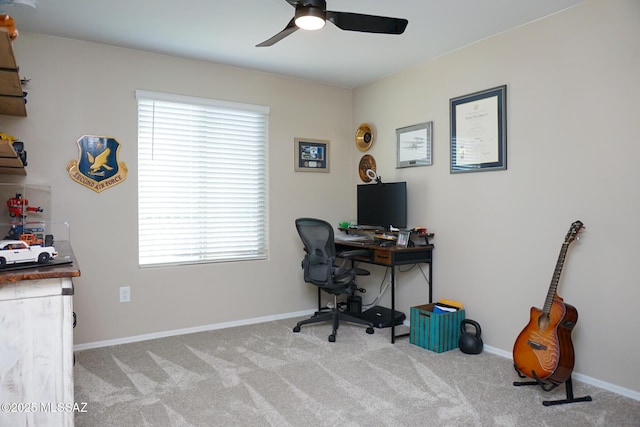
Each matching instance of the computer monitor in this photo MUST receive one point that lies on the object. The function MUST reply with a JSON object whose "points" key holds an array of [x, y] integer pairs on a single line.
{"points": [[382, 205]]}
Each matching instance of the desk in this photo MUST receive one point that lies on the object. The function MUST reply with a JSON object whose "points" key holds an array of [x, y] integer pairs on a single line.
{"points": [[392, 256]]}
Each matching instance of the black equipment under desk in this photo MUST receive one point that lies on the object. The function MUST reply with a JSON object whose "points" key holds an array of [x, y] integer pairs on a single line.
{"points": [[392, 256]]}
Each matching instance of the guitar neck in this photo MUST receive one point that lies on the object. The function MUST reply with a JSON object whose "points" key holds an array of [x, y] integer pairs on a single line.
{"points": [[551, 294]]}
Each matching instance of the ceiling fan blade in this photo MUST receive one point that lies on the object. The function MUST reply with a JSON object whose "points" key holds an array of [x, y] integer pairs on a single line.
{"points": [[290, 28], [367, 23]]}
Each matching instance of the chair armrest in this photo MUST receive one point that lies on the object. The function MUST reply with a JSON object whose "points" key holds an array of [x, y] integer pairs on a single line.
{"points": [[354, 253], [346, 268]]}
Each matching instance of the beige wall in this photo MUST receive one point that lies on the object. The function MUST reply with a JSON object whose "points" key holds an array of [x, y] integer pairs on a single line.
{"points": [[572, 118], [82, 88], [573, 91]]}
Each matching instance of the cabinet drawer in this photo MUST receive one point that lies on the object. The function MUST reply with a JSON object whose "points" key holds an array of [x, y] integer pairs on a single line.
{"points": [[382, 257]]}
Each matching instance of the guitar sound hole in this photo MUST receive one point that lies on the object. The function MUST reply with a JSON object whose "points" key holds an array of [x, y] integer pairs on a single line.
{"points": [[543, 321]]}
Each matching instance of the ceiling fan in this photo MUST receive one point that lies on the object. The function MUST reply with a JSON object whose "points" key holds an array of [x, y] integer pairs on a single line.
{"points": [[313, 14]]}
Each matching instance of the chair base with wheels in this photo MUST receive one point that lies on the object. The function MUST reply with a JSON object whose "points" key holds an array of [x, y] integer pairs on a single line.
{"points": [[335, 316]]}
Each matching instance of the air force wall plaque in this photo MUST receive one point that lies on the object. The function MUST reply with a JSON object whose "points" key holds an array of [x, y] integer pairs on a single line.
{"points": [[97, 167]]}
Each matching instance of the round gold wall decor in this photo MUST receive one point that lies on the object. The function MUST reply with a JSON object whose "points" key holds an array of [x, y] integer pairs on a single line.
{"points": [[364, 137], [367, 162]]}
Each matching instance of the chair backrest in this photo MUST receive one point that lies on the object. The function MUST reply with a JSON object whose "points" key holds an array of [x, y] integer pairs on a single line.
{"points": [[320, 251]]}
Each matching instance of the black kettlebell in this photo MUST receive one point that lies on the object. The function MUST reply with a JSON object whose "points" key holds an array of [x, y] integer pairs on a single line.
{"points": [[470, 343]]}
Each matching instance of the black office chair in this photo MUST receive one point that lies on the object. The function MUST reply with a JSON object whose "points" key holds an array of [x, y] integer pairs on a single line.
{"points": [[320, 270]]}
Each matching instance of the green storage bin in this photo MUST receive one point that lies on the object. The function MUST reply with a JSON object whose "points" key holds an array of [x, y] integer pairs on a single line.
{"points": [[435, 332]]}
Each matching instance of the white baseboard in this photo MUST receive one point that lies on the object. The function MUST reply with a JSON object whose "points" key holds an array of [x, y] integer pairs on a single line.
{"points": [[578, 376], [97, 344], [211, 327]]}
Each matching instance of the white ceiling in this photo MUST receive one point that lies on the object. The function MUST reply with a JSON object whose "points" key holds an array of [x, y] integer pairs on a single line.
{"points": [[226, 32]]}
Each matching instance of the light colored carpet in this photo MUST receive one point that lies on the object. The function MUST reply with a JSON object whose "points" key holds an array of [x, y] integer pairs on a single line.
{"points": [[266, 375]]}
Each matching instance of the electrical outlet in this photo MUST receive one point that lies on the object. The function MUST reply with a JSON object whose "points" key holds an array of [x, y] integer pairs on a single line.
{"points": [[125, 294]]}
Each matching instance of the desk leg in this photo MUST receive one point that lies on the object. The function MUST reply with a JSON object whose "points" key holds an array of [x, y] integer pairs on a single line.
{"points": [[393, 297], [393, 304], [430, 279]]}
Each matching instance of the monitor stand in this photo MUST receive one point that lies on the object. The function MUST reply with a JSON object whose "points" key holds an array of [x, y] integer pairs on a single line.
{"points": [[381, 317]]}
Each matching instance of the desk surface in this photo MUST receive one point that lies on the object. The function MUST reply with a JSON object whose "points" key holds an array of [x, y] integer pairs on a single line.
{"points": [[389, 255], [377, 246]]}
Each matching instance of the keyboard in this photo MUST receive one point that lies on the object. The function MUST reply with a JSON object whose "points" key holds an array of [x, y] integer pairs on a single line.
{"points": [[353, 238]]}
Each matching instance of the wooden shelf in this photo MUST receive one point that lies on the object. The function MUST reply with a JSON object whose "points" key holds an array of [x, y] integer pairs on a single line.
{"points": [[10, 164], [12, 100], [7, 59], [12, 103]]}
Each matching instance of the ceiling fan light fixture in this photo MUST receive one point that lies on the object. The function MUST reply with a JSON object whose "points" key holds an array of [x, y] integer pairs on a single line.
{"points": [[313, 15], [310, 18]]}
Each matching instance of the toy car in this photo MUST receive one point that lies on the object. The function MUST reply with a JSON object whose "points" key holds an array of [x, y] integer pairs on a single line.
{"points": [[17, 251]]}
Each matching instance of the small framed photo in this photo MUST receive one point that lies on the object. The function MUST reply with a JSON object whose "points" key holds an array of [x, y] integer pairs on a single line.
{"points": [[414, 145], [403, 239], [311, 155]]}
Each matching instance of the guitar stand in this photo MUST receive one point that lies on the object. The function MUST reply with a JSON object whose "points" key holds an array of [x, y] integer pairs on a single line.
{"points": [[549, 387]]}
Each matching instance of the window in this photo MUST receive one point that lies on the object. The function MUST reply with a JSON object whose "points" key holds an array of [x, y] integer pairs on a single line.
{"points": [[202, 180]]}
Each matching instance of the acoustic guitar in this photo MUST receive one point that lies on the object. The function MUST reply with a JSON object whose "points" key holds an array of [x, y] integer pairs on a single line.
{"points": [[543, 350]]}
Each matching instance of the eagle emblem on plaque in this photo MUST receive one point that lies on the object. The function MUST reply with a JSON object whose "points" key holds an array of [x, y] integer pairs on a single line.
{"points": [[97, 166]]}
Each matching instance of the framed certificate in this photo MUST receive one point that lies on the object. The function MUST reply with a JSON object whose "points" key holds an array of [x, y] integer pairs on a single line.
{"points": [[479, 131]]}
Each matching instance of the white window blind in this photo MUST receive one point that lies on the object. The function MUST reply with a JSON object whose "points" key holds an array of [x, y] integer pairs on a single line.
{"points": [[202, 180]]}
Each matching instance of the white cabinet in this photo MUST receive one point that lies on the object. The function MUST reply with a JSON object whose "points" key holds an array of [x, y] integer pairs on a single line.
{"points": [[36, 350]]}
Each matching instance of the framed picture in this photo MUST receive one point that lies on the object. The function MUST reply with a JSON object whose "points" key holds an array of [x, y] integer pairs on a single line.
{"points": [[311, 155], [403, 239], [479, 131], [414, 145]]}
